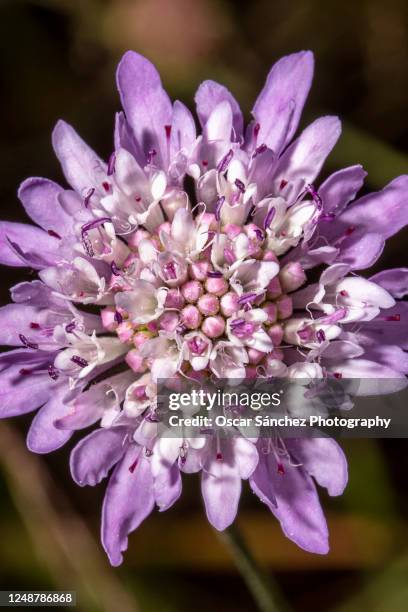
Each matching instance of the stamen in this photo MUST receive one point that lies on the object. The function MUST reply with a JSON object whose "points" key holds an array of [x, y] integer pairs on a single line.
{"points": [[283, 184], [114, 269], [118, 317], [281, 469], [218, 456], [320, 335], [106, 186], [70, 327], [167, 129], [395, 317], [133, 466], [240, 185], [111, 164], [88, 196], [259, 150], [151, 154], [269, 218], [218, 207], [224, 163], [316, 198], [25, 372], [34, 325], [51, 232], [26, 343], [245, 299], [80, 361], [53, 372], [95, 223]]}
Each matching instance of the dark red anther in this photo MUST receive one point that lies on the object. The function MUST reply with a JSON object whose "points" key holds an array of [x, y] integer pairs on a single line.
{"points": [[218, 456], [281, 469], [53, 372], [350, 230], [133, 466], [204, 163], [344, 293], [395, 317], [106, 186], [111, 164], [53, 234], [338, 375], [257, 127], [283, 184], [79, 361], [25, 372], [88, 196], [167, 129], [69, 328], [34, 325], [26, 343]]}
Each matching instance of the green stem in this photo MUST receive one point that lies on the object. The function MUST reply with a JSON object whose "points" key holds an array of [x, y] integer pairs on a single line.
{"points": [[261, 587]]}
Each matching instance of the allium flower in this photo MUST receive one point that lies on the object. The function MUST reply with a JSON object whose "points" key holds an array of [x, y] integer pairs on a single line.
{"points": [[187, 255]]}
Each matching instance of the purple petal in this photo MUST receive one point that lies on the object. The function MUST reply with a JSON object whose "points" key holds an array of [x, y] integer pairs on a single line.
{"points": [[361, 250], [147, 106], [128, 501], [341, 187], [379, 331], [395, 281], [82, 167], [304, 158], [19, 393], [183, 129], [323, 459], [95, 455], [40, 199], [209, 95], [26, 236], [167, 485], [43, 437], [15, 319], [383, 213], [221, 488], [297, 503], [280, 103]]}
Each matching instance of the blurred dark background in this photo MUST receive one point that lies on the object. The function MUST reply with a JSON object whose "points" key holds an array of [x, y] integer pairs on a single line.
{"points": [[57, 60]]}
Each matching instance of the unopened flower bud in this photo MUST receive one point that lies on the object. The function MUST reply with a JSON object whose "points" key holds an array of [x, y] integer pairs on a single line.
{"points": [[199, 270], [232, 230], [216, 285], [125, 332], [140, 338], [270, 256], [292, 276], [169, 321], [271, 310], [213, 327], [174, 299], [274, 289], [285, 307], [255, 356], [134, 239], [192, 290], [208, 304], [108, 318], [135, 361], [191, 317], [275, 332], [229, 304]]}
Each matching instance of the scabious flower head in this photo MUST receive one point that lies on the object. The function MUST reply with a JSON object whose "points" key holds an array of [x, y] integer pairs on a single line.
{"points": [[188, 255]]}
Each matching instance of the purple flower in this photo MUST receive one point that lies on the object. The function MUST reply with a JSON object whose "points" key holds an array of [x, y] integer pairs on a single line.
{"points": [[217, 287]]}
